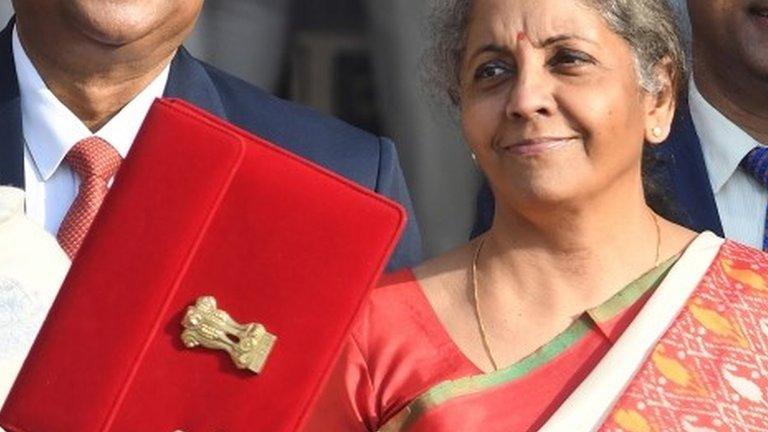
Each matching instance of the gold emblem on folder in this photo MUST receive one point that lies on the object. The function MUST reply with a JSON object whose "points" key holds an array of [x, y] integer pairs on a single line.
{"points": [[205, 325]]}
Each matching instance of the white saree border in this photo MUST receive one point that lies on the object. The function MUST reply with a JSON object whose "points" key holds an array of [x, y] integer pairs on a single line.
{"points": [[588, 406]]}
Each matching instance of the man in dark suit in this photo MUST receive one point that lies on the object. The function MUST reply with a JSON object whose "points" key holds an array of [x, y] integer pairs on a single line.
{"points": [[714, 155], [78, 76], [714, 165]]}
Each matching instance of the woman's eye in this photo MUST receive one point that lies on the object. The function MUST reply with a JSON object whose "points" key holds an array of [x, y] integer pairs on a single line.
{"points": [[490, 70], [570, 58]]}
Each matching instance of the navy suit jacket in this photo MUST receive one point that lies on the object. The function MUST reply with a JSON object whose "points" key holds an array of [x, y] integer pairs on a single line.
{"points": [[681, 171], [364, 158]]}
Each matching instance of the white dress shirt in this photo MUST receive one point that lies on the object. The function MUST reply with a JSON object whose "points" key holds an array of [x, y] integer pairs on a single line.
{"points": [[50, 130], [741, 200]]}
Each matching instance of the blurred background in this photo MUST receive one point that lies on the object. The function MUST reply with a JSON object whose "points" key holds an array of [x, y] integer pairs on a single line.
{"points": [[359, 60]]}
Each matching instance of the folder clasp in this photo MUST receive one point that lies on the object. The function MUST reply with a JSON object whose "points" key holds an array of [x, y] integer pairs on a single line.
{"points": [[249, 345]]}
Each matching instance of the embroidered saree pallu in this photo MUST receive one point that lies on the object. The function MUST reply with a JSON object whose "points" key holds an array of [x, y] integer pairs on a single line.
{"points": [[695, 360], [212, 293]]}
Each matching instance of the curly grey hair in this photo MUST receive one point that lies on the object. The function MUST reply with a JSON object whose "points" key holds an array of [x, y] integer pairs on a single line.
{"points": [[648, 26]]}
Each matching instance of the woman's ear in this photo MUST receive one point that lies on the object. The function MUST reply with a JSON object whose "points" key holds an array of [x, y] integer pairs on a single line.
{"points": [[661, 104]]}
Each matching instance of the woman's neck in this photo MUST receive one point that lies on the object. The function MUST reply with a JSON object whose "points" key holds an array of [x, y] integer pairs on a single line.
{"points": [[567, 261]]}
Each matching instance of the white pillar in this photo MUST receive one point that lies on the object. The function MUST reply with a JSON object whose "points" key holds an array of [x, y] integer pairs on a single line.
{"points": [[6, 11], [243, 37]]}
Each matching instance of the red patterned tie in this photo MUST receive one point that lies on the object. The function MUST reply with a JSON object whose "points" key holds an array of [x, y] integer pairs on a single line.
{"points": [[95, 162]]}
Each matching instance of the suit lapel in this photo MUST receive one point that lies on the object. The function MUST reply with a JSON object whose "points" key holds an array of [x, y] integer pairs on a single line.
{"points": [[188, 80], [687, 176], [12, 142]]}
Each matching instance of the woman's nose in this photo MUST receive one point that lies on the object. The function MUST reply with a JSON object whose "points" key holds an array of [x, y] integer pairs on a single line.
{"points": [[530, 95]]}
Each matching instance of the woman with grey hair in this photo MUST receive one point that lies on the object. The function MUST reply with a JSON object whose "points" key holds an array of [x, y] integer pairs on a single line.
{"points": [[581, 308]]}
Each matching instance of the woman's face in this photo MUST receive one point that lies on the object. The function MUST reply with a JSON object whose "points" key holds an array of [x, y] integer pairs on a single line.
{"points": [[551, 103]]}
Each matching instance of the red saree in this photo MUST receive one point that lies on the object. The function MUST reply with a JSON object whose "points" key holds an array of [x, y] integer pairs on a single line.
{"points": [[693, 358]]}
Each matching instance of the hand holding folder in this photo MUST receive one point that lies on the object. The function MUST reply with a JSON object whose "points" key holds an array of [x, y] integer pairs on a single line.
{"points": [[201, 208]]}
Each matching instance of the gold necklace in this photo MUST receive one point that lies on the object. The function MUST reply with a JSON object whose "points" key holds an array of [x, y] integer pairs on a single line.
{"points": [[476, 299]]}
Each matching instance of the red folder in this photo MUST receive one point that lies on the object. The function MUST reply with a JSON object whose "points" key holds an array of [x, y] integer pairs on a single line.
{"points": [[202, 208]]}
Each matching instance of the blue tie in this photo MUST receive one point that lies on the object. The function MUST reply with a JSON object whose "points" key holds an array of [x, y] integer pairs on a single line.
{"points": [[756, 164]]}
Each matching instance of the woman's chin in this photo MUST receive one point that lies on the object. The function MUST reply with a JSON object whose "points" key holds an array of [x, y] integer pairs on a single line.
{"points": [[544, 196]]}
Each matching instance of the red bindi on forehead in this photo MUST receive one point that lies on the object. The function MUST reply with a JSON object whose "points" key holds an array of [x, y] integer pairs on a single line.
{"points": [[521, 37]]}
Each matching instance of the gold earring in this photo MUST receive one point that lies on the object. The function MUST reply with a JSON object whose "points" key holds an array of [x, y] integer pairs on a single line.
{"points": [[656, 131]]}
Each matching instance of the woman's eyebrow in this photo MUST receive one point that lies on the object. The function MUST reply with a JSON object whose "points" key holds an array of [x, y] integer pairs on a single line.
{"points": [[490, 48], [565, 37], [501, 49]]}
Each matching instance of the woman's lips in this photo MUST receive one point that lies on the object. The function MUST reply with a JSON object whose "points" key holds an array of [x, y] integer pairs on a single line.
{"points": [[528, 147]]}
